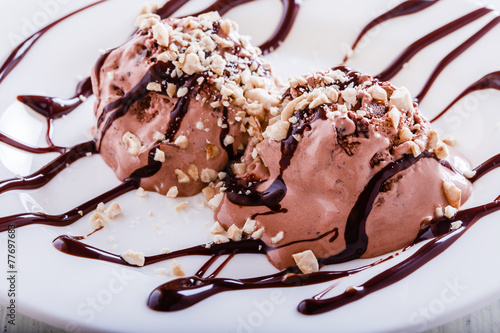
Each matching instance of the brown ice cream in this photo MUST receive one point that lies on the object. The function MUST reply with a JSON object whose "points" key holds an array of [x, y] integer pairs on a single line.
{"points": [[177, 100], [337, 130]]}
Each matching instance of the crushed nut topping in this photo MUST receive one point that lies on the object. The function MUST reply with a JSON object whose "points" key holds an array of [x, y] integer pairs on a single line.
{"points": [[173, 192], [306, 261], [234, 233], [176, 269], [452, 193], [134, 258]]}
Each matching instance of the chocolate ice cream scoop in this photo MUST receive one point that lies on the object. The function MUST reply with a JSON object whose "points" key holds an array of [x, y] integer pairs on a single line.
{"points": [[178, 100], [349, 169]]}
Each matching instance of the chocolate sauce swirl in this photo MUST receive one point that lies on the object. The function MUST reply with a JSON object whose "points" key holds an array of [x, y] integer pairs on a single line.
{"points": [[405, 56], [454, 54], [182, 293], [489, 81], [406, 8], [49, 171], [71, 216], [22, 49], [56, 107]]}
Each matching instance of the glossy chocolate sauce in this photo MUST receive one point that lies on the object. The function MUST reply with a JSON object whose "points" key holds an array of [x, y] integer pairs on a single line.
{"points": [[49, 171], [489, 81], [405, 56], [56, 107], [454, 54], [71, 216], [182, 293], [405, 8], [22, 49]]}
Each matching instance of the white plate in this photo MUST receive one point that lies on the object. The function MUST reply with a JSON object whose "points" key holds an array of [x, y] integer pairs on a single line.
{"points": [[80, 294]]}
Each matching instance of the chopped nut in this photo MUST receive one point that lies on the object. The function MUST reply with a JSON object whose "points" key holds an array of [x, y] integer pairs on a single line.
{"points": [[249, 227], [229, 139], [113, 211], [321, 99], [208, 175], [101, 207], [215, 201], [159, 155], [146, 21], [192, 65], [450, 140], [415, 149], [441, 151], [405, 134], [452, 193], [176, 268], [140, 192], [433, 139], [258, 234], [450, 212], [438, 212], [172, 192], [97, 221], [182, 206], [290, 107], [134, 258], [394, 116], [212, 151], [455, 225], [132, 143], [182, 91], [306, 261], [349, 95], [157, 136], [217, 229], [469, 173], [378, 93], [279, 236], [220, 239], [154, 86], [182, 177], [234, 233], [192, 171], [161, 34], [182, 141], [208, 192], [420, 144], [171, 90], [401, 98], [239, 168], [277, 131]]}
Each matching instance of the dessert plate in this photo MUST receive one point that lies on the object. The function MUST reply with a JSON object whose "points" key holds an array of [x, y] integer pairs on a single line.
{"points": [[79, 294]]}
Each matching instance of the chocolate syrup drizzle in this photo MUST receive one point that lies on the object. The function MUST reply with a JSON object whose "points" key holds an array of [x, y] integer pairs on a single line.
{"points": [[405, 8], [427, 40], [489, 81], [181, 293]]}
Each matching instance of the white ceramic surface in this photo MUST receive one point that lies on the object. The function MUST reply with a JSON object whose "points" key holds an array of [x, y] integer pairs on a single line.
{"points": [[84, 295]]}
